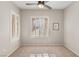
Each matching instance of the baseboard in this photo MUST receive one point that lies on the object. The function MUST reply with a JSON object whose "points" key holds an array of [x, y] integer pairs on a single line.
{"points": [[71, 50], [12, 52], [41, 44]]}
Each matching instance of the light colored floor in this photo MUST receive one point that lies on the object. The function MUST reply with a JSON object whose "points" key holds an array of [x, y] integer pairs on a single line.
{"points": [[51, 51]]}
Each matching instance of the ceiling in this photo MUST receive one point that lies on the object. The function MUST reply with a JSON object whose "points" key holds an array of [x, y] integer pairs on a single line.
{"points": [[53, 4]]}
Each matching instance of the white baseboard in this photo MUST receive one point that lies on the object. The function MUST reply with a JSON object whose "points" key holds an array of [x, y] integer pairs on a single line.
{"points": [[12, 52], [71, 50], [41, 44]]}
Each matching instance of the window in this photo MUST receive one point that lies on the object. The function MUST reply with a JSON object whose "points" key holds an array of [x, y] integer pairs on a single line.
{"points": [[14, 26], [39, 26]]}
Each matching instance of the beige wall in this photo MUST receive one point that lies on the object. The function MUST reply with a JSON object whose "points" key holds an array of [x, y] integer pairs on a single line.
{"points": [[55, 37], [6, 46], [71, 27]]}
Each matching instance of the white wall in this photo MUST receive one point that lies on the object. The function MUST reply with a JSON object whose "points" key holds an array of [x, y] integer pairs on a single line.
{"points": [[71, 27], [6, 46], [55, 37]]}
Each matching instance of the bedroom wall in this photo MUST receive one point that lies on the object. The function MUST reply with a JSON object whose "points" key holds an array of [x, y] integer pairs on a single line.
{"points": [[55, 37], [6, 46], [71, 27]]}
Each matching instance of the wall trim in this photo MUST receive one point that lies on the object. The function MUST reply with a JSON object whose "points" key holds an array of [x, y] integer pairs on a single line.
{"points": [[12, 52], [71, 50], [40, 44]]}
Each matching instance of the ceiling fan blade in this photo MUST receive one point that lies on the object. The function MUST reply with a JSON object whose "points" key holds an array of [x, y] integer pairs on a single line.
{"points": [[48, 7], [31, 3]]}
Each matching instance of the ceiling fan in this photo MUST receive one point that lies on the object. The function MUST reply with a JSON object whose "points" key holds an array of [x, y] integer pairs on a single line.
{"points": [[40, 4]]}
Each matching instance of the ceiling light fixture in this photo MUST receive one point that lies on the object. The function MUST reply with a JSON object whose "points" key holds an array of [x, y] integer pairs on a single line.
{"points": [[40, 4]]}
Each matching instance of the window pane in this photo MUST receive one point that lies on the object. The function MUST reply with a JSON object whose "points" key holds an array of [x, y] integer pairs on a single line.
{"points": [[39, 26]]}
